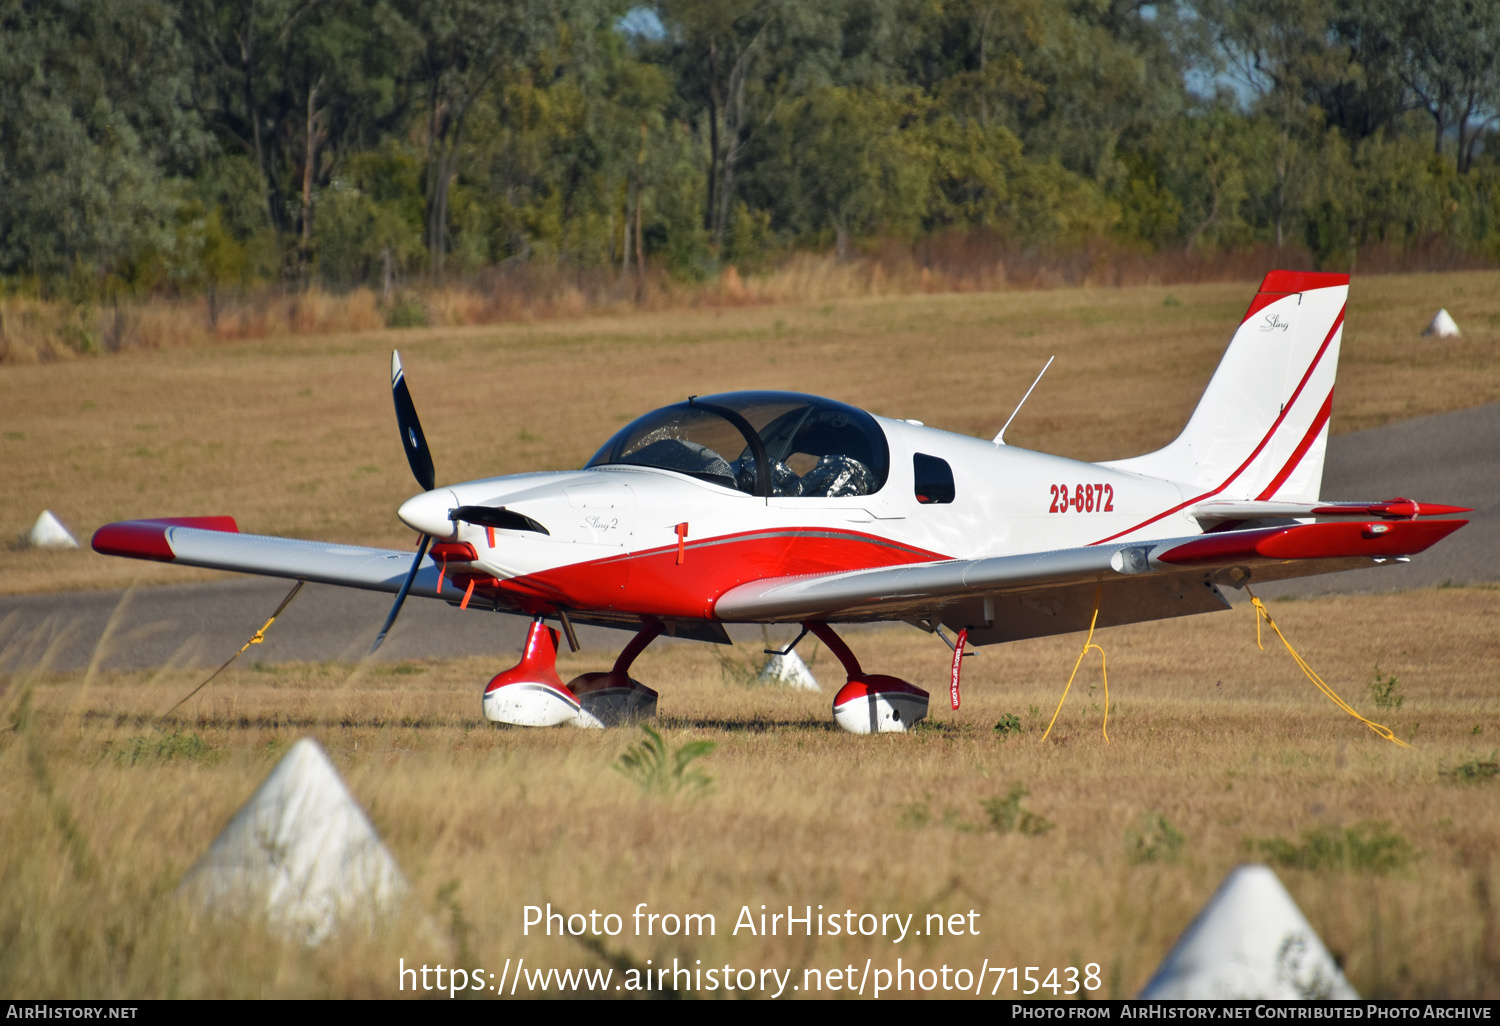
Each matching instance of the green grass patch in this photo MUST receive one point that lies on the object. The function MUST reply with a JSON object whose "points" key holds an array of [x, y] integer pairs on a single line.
{"points": [[1153, 839], [160, 748], [655, 770], [1006, 815], [1010, 723], [1362, 848], [1474, 771]]}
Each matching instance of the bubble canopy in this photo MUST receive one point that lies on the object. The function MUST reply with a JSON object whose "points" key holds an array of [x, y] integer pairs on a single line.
{"points": [[762, 443]]}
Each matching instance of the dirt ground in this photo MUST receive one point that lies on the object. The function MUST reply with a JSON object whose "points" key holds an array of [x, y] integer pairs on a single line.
{"points": [[296, 435], [1217, 754]]}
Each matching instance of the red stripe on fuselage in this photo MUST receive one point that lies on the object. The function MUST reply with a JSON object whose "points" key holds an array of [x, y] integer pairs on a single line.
{"points": [[653, 582], [1338, 322]]}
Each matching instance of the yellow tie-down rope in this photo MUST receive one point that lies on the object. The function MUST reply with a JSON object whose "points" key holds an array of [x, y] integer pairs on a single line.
{"points": [[1088, 643], [1261, 612], [255, 639]]}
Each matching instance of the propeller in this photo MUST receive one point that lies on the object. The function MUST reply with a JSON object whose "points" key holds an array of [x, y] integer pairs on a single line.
{"points": [[412, 438], [414, 442]]}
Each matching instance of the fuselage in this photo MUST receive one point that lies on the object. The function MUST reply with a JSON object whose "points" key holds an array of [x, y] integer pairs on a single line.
{"points": [[613, 530]]}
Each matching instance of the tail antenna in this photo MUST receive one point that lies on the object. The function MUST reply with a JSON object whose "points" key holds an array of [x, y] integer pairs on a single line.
{"points": [[1000, 438]]}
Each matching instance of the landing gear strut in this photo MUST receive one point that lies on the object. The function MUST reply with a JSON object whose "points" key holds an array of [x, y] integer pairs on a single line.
{"points": [[614, 697], [870, 703], [531, 694]]}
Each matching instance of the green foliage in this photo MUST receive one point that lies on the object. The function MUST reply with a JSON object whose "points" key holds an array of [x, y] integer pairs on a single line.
{"points": [[914, 815], [160, 748], [1153, 839], [1475, 770], [1007, 816], [1363, 848], [739, 666], [92, 132], [1385, 691], [184, 146], [370, 218], [406, 312], [1009, 723], [656, 771]]}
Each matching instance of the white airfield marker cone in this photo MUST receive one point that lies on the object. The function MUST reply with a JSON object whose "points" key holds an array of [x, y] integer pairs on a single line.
{"points": [[49, 533], [1250, 941], [1443, 326], [300, 852], [788, 670]]}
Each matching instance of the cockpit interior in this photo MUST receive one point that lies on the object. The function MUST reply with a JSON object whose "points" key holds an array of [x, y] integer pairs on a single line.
{"points": [[760, 443]]}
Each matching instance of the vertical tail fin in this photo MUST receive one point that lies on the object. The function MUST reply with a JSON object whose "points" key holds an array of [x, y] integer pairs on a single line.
{"points": [[1261, 428]]}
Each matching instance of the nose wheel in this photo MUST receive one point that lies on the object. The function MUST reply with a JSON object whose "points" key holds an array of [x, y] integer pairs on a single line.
{"points": [[870, 703], [531, 694]]}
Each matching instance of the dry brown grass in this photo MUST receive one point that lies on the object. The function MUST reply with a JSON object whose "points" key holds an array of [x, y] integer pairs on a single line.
{"points": [[1227, 744], [294, 435]]}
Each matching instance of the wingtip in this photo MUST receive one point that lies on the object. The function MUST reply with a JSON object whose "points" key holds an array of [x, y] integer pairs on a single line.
{"points": [[395, 366]]}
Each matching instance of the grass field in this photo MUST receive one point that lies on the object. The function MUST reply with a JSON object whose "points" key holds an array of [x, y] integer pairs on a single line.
{"points": [[1219, 754], [296, 435]]}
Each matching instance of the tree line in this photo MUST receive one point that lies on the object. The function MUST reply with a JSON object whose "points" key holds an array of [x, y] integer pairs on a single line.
{"points": [[194, 146]]}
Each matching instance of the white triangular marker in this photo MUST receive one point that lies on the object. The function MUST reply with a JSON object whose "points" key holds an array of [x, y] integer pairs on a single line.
{"points": [[1443, 326], [301, 852], [1250, 941], [788, 670], [49, 533]]}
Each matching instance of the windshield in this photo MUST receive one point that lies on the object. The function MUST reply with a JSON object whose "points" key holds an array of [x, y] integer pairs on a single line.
{"points": [[812, 447]]}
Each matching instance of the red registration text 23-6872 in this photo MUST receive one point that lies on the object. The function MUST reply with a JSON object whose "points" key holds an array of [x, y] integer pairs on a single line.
{"points": [[1083, 498]]}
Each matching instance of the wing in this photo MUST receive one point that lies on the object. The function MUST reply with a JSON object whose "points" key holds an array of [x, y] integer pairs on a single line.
{"points": [[216, 543], [1006, 598]]}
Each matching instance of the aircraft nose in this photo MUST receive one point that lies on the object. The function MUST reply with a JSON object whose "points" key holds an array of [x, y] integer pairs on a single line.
{"points": [[428, 512]]}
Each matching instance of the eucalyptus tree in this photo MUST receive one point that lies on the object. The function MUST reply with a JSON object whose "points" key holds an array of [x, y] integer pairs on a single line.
{"points": [[239, 85], [1450, 60], [1277, 49], [736, 62], [459, 48], [295, 85], [94, 127]]}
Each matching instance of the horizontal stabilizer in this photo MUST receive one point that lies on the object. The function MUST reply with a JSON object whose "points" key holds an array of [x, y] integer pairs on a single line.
{"points": [[1387, 509]]}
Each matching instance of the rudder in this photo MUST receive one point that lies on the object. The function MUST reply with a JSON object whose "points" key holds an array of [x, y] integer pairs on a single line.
{"points": [[1261, 428]]}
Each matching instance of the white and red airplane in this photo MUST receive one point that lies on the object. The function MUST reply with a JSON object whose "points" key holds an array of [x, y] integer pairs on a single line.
{"points": [[779, 507]]}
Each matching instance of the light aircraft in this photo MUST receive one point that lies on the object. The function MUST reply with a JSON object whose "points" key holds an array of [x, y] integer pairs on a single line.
{"points": [[782, 508]]}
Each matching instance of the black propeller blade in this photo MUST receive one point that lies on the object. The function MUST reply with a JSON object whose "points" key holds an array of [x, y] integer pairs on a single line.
{"points": [[497, 516], [412, 439], [415, 444], [411, 575]]}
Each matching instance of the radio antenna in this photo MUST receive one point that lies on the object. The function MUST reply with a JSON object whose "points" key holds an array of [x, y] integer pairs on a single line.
{"points": [[1000, 438]]}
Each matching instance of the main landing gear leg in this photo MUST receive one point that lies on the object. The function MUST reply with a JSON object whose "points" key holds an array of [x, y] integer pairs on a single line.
{"points": [[870, 703], [614, 697]]}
